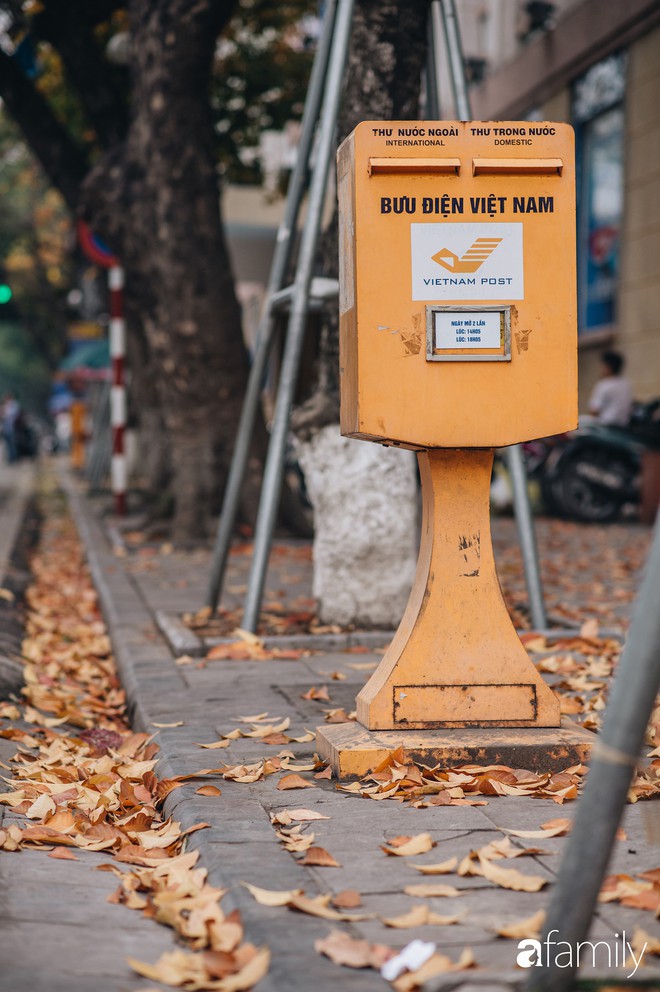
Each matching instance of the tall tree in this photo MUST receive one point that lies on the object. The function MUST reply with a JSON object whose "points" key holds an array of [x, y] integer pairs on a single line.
{"points": [[134, 150], [35, 236]]}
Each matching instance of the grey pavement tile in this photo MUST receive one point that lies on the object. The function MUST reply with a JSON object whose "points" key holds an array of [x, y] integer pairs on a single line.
{"points": [[30, 865], [92, 950], [270, 867], [241, 843], [523, 813], [307, 970], [476, 985], [70, 904], [42, 979]]}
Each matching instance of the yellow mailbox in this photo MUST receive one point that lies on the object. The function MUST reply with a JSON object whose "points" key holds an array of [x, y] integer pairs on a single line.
{"points": [[458, 303], [457, 335]]}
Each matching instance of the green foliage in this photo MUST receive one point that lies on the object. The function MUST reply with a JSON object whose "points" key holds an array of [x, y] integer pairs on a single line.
{"points": [[260, 78], [23, 370], [35, 238]]}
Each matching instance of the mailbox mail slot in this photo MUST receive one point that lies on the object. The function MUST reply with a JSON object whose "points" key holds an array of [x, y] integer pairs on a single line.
{"points": [[517, 166], [457, 282], [419, 166]]}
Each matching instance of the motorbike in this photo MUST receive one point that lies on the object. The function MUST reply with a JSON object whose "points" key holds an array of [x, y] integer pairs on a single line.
{"points": [[592, 473]]}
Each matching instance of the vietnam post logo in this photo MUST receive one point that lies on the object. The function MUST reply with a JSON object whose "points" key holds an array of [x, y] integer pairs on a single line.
{"points": [[467, 261], [473, 258]]}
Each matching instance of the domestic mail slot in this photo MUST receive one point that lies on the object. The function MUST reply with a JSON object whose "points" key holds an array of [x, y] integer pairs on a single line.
{"points": [[457, 282], [517, 166]]}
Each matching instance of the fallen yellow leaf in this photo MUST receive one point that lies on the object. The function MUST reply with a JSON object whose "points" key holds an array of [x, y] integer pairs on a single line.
{"points": [[319, 857], [352, 953], [294, 781], [440, 868], [510, 878], [419, 844], [531, 926], [268, 897], [428, 890], [419, 916]]}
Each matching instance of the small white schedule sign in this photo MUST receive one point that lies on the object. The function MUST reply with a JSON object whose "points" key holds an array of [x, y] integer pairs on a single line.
{"points": [[468, 329]]}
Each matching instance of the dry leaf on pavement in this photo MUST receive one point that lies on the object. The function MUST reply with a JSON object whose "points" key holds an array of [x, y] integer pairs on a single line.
{"points": [[531, 926], [318, 906], [428, 890], [268, 897], [347, 899], [438, 964], [510, 878], [419, 844], [306, 814], [321, 695], [419, 916], [641, 892], [644, 942], [439, 868], [543, 833], [345, 950], [319, 857], [294, 781]]}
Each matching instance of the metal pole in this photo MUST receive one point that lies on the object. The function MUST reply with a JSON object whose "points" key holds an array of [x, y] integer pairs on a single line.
{"points": [[281, 257], [274, 470], [526, 536], [118, 388], [612, 765], [455, 56]]}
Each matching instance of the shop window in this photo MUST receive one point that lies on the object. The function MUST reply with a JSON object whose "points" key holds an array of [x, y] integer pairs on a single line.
{"points": [[598, 115]]}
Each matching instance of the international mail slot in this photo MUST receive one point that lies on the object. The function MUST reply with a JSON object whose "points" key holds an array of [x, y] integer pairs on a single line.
{"points": [[457, 336]]}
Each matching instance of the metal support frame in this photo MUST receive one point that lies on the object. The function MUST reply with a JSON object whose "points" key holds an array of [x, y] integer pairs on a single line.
{"points": [[265, 333], [526, 535], [274, 470], [612, 766], [323, 99]]}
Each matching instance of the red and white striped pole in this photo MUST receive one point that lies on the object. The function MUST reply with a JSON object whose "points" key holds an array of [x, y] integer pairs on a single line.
{"points": [[117, 388]]}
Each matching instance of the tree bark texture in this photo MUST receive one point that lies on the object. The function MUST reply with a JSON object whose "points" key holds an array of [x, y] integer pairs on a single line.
{"points": [[157, 200], [153, 197], [383, 75]]}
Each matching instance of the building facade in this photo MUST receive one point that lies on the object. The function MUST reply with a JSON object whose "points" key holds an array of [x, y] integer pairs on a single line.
{"points": [[596, 65]]}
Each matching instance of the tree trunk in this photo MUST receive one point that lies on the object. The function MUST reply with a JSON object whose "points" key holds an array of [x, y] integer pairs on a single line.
{"points": [[179, 271], [375, 563], [153, 197]]}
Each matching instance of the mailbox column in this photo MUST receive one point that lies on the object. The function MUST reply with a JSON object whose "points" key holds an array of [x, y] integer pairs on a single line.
{"points": [[458, 335]]}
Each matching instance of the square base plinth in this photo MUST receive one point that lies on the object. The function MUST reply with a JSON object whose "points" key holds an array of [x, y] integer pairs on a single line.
{"points": [[353, 751]]}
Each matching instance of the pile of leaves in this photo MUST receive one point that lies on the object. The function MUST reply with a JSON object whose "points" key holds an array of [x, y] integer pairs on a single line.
{"points": [[83, 781], [397, 777]]}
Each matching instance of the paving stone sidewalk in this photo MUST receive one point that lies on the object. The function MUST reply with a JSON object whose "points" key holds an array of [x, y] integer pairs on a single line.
{"points": [[241, 845], [57, 931]]}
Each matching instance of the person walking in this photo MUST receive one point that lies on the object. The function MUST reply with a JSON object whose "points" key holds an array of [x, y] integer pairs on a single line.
{"points": [[10, 414]]}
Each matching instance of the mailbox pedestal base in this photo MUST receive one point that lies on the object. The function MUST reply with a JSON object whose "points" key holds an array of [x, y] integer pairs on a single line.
{"points": [[354, 751], [456, 659]]}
